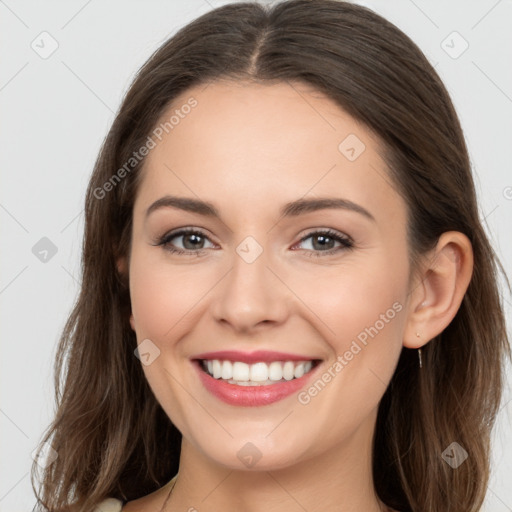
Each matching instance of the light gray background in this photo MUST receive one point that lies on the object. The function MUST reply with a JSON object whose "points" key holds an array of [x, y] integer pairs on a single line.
{"points": [[56, 112]]}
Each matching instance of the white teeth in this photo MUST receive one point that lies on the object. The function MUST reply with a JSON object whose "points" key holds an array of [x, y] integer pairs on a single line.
{"points": [[251, 382], [227, 370], [241, 371], [237, 372], [299, 371], [275, 371], [288, 370], [259, 372], [217, 369]]}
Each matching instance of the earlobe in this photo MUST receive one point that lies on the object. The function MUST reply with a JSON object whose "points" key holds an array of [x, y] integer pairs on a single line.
{"points": [[121, 265], [437, 297]]}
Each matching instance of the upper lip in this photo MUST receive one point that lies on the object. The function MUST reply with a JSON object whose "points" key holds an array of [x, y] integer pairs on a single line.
{"points": [[265, 356]]}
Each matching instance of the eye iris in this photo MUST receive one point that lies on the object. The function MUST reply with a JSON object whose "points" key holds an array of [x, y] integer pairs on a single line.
{"points": [[325, 240], [198, 239]]}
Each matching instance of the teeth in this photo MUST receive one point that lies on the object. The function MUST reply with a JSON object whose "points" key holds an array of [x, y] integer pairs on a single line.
{"points": [[259, 372], [217, 369], [243, 374], [241, 371], [288, 370], [227, 370], [275, 371]]}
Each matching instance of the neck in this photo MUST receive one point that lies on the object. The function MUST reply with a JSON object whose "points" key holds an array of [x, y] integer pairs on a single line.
{"points": [[340, 479]]}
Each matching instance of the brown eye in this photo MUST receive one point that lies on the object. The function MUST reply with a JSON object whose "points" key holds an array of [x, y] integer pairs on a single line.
{"points": [[189, 241], [192, 241], [324, 242]]}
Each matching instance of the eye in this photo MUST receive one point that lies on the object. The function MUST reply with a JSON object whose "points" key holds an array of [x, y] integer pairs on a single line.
{"points": [[323, 242], [191, 240]]}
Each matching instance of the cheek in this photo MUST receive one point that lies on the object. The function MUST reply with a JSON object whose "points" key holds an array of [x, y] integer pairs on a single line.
{"points": [[164, 296], [350, 299], [361, 317], [150, 298]]}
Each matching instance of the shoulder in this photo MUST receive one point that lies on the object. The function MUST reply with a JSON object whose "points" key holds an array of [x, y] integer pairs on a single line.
{"points": [[109, 505]]}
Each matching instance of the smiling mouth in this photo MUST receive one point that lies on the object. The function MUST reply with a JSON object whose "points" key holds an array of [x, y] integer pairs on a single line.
{"points": [[256, 374]]}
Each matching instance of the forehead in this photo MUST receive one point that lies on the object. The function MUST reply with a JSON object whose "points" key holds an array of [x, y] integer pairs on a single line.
{"points": [[263, 145]]}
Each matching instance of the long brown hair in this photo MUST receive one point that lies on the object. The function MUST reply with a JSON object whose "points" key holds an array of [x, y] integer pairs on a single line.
{"points": [[111, 435]]}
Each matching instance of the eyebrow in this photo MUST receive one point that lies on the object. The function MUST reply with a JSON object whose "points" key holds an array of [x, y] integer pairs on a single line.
{"points": [[291, 209]]}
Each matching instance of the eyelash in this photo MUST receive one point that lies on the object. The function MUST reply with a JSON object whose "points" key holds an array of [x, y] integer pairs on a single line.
{"points": [[346, 242]]}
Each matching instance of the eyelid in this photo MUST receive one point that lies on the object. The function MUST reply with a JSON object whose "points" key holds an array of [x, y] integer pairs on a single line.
{"points": [[179, 232], [327, 231], [345, 241]]}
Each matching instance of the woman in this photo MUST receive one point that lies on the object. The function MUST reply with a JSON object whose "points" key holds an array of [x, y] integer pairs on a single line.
{"points": [[288, 299]]}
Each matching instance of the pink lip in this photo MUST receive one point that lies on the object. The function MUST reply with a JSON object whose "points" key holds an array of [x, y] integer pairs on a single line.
{"points": [[265, 356], [251, 396]]}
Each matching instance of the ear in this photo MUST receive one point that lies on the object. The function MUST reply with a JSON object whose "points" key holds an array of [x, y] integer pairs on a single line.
{"points": [[121, 265], [439, 289], [122, 268]]}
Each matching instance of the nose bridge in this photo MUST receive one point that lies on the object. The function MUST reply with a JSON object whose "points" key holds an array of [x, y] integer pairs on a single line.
{"points": [[251, 294]]}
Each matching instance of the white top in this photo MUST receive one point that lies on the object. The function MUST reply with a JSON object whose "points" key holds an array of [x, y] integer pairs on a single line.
{"points": [[110, 505]]}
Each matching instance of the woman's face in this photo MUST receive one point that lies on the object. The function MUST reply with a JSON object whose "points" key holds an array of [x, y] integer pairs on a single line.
{"points": [[261, 279]]}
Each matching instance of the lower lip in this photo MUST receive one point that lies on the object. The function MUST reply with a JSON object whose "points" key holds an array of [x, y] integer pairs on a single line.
{"points": [[251, 396]]}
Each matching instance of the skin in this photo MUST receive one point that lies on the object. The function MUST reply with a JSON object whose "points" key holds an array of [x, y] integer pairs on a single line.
{"points": [[249, 149]]}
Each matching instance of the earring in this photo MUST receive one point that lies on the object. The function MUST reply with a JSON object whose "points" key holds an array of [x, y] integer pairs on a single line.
{"points": [[419, 351]]}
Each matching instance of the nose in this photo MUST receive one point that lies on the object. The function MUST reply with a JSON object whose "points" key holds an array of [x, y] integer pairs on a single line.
{"points": [[251, 295]]}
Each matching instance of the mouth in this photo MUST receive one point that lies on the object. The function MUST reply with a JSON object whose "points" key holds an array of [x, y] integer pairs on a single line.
{"points": [[256, 374], [253, 379]]}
